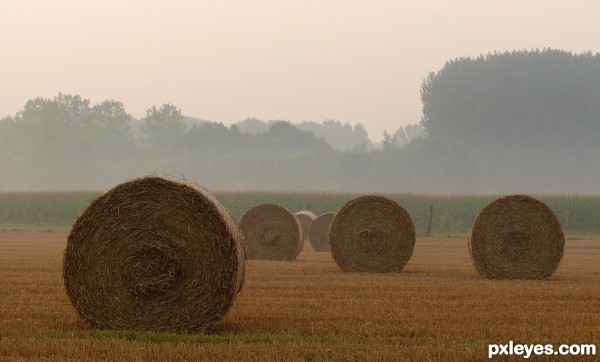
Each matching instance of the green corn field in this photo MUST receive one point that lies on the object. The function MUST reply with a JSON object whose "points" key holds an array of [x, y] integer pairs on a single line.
{"points": [[452, 215]]}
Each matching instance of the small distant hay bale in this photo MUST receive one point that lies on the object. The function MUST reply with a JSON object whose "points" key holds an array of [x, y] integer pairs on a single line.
{"points": [[155, 253], [372, 234], [319, 230], [516, 237], [272, 233], [305, 218]]}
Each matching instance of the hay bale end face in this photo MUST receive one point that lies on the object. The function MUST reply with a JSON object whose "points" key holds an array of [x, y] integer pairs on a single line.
{"points": [[155, 253], [319, 230], [305, 218], [372, 234], [516, 237], [272, 233]]}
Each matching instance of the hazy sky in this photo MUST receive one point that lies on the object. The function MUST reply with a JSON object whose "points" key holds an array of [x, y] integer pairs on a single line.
{"points": [[354, 61]]}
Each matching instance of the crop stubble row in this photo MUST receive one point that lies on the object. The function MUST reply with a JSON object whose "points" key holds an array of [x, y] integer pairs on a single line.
{"points": [[439, 307]]}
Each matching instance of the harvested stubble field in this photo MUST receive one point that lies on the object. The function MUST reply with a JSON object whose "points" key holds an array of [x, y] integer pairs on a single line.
{"points": [[438, 308]]}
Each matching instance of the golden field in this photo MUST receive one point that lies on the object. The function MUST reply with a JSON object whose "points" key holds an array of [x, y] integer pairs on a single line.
{"points": [[438, 308]]}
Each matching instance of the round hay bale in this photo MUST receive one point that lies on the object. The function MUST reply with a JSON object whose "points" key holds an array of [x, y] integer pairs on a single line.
{"points": [[516, 237], [305, 218], [372, 234], [319, 230], [154, 253], [272, 233]]}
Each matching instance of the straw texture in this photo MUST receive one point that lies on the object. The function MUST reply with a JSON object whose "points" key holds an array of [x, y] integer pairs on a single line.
{"points": [[305, 218], [319, 230], [516, 237], [154, 253], [272, 233], [372, 234]]}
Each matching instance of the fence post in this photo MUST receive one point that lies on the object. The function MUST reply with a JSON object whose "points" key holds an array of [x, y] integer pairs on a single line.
{"points": [[430, 218]]}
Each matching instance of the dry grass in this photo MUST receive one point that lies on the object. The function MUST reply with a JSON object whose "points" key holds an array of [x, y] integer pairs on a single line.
{"points": [[438, 308], [516, 237], [318, 234], [305, 219], [371, 233], [271, 232], [154, 253]]}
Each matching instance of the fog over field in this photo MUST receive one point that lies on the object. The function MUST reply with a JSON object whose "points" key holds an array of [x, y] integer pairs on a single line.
{"points": [[512, 122], [378, 180], [423, 97]]}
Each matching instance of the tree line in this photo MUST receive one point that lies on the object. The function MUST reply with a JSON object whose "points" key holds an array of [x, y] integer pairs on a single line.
{"points": [[523, 121], [68, 143]]}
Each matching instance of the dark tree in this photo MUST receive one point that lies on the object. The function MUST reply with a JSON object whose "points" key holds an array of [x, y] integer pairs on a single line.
{"points": [[163, 127]]}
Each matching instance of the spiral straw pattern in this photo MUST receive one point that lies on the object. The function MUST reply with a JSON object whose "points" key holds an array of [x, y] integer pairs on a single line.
{"points": [[372, 234], [516, 237], [155, 253], [272, 233]]}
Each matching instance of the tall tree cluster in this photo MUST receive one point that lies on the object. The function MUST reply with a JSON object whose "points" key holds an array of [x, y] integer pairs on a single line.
{"points": [[529, 119]]}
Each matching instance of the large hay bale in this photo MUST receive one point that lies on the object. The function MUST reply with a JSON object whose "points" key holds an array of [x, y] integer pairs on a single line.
{"points": [[154, 253], [319, 230], [516, 237], [272, 233], [305, 218], [372, 234]]}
